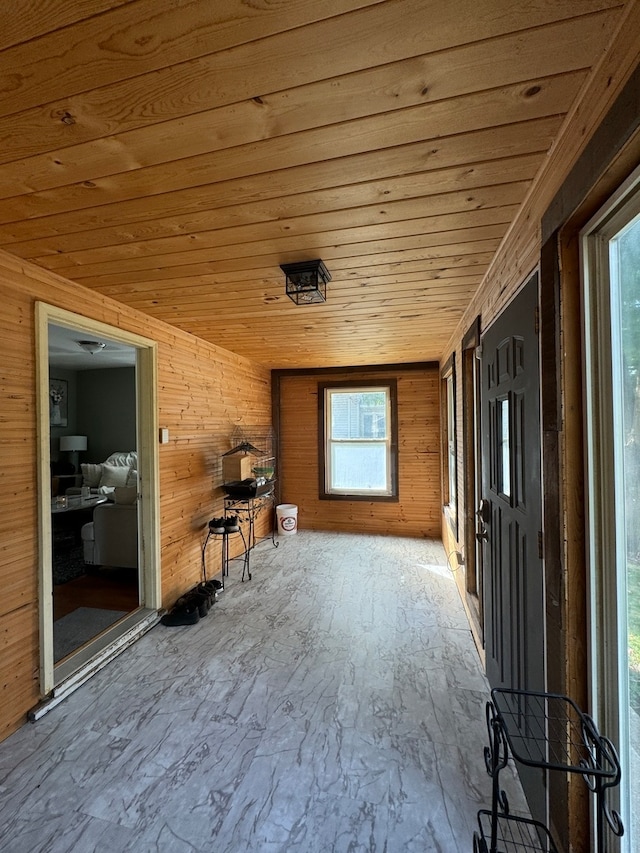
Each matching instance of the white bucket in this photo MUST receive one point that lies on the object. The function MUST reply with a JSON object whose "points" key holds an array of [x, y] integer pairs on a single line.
{"points": [[287, 515]]}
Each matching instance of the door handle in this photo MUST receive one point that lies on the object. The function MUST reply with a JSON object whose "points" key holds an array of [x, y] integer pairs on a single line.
{"points": [[483, 514], [484, 511]]}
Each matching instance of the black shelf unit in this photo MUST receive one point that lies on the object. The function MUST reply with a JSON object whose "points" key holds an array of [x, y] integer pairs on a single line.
{"points": [[225, 558], [549, 731], [246, 509]]}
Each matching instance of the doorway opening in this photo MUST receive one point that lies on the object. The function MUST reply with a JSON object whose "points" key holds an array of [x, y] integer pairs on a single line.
{"points": [[98, 460], [94, 480]]}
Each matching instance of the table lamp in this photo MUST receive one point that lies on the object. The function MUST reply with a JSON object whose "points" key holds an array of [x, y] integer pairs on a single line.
{"points": [[73, 444]]}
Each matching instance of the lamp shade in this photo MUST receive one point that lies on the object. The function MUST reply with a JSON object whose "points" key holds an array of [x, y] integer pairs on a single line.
{"points": [[73, 442]]}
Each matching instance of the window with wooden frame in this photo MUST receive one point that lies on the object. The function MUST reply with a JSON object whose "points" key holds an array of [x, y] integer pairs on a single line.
{"points": [[449, 448], [611, 274], [358, 447]]}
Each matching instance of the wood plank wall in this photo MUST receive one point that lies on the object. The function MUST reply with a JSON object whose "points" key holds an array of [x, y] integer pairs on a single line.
{"points": [[203, 392], [417, 513], [519, 253], [517, 257]]}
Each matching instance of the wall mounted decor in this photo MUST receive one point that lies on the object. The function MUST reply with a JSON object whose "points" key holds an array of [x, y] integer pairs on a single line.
{"points": [[58, 402]]}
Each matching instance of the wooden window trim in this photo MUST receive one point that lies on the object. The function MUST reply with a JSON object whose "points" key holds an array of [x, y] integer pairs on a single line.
{"points": [[392, 385], [448, 374]]}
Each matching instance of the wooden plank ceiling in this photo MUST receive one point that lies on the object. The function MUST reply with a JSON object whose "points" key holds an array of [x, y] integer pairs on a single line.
{"points": [[173, 153]]}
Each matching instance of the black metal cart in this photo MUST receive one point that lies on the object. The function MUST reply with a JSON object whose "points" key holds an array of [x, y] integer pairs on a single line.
{"points": [[548, 731]]}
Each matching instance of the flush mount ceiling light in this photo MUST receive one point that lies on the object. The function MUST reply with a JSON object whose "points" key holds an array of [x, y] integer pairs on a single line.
{"points": [[92, 346], [306, 281]]}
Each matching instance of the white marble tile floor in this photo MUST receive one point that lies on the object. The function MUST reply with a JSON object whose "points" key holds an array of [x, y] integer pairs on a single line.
{"points": [[333, 703]]}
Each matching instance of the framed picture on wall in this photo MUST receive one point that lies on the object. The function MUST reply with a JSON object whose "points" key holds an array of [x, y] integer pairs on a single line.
{"points": [[58, 402]]}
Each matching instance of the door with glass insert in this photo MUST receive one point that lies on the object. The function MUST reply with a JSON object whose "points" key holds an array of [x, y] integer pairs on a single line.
{"points": [[511, 509]]}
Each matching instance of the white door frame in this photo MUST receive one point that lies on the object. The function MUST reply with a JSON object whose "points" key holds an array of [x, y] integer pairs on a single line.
{"points": [[606, 529], [147, 447]]}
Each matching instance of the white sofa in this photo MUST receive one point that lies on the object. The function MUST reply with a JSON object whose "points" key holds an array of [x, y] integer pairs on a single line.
{"points": [[111, 539], [119, 469]]}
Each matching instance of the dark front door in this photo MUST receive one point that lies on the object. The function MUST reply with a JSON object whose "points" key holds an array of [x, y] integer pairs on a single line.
{"points": [[510, 511]]}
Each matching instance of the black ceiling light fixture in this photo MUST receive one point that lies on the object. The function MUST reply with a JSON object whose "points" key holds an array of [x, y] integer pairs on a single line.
{"points": [[306, 281]]}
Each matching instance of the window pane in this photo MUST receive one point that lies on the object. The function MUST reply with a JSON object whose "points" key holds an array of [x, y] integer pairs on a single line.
{"points": [[625, 269], [359, 450], [359, 466], [358, 415], [451, 439], [504, 455]]}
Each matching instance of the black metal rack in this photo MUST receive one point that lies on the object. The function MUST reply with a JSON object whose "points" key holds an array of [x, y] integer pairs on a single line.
{"points": [[246, 510], [549, 731], [246, 568], [225, 558]]}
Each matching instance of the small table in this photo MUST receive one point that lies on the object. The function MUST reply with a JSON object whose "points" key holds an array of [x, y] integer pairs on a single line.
{"points": [[75, 503]]}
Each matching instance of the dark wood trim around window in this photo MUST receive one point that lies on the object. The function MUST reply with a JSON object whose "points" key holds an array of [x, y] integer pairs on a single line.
{"points": [[449, 372], [471, 473], [392, 385]]}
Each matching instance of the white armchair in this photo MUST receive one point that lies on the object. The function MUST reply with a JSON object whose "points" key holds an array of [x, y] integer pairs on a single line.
{"points": [[111, 539]]}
